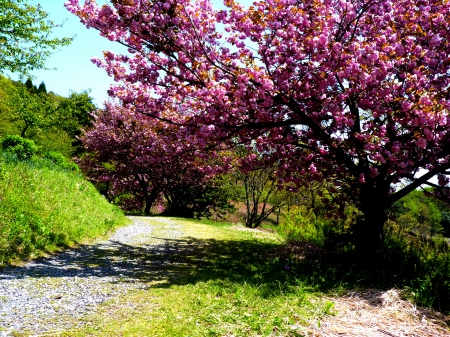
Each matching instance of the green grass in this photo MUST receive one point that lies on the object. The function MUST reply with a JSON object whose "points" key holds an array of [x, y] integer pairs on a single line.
{"points": [[43, 207], [214, 280]]}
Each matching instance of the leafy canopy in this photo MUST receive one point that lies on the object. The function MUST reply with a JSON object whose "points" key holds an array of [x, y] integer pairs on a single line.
{"points": [[355, 92], [24, 37], [54, 122]]}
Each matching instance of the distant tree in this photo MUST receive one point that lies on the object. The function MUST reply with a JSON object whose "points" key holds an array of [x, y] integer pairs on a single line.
{"points": [[47, 118], [76, 114], [260, 193], [29, 85], [257, 185], [42, 88], [26, 112], [188, 194], [24, 36], [137, 156], [421, 213]]}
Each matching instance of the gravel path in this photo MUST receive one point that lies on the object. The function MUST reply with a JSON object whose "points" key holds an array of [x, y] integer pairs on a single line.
{"points": [[58, 292]]}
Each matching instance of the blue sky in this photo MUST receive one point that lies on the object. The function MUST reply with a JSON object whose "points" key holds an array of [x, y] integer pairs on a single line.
{"points": [[75, 71]]}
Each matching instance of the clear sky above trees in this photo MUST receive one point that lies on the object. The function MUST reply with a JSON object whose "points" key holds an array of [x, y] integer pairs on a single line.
{"points": [[75, 71]]}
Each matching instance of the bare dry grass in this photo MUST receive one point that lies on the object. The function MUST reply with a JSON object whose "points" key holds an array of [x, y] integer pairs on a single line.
{"points": [[369, 312], [378, 313]]}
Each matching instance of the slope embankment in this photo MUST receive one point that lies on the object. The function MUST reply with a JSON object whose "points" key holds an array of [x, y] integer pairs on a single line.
{"points": [[44, 208]]}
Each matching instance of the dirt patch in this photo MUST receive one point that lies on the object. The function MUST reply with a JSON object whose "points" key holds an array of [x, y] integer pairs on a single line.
{"points": [[371, 312], [378, 313]]}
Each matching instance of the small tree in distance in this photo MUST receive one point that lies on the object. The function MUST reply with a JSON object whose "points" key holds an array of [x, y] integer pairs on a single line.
{"points": [[354, 92], [261, 195], [258, 187]]}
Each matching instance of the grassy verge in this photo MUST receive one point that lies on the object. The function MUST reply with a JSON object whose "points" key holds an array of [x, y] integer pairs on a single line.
{"points": [[213, 280], [44, 207], [419, 265]]}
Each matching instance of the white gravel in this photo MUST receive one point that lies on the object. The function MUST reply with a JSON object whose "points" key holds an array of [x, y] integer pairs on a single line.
{"points": [[58, 292]]}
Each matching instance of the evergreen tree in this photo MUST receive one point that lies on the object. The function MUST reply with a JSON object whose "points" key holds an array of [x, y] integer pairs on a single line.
{"points": [[42, 88], [29, 84]]}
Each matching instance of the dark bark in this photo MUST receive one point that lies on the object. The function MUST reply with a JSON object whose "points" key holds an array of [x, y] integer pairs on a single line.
{"points": [[150, 200], [373, 204]]}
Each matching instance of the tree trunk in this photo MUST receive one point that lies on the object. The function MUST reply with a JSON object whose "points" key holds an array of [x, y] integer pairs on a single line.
{"points": [[370, 228], [369, 240], [149, 200], [147, 208]]}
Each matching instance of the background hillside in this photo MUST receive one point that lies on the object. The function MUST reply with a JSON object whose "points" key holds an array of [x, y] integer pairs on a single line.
{"points": [[50, 120], [45, 202]]}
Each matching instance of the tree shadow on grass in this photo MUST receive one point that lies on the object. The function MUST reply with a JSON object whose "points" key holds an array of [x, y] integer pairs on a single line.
{"points": [[187, 260], [173, 262]]}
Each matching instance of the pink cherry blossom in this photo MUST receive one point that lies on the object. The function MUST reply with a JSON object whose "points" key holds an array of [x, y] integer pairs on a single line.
{"points": [[355, 92]]}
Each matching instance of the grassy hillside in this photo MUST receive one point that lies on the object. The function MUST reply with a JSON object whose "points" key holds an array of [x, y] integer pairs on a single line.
{"points": [[7, 87], [53, 122], [43, 207]]}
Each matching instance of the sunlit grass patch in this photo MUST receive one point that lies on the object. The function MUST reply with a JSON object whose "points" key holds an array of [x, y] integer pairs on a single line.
{"points": [[44, 208], [214, 280], [213, 308]]}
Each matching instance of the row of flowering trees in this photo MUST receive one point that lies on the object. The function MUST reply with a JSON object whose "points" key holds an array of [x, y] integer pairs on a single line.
{"points": [[141, 161], [350, 91]]}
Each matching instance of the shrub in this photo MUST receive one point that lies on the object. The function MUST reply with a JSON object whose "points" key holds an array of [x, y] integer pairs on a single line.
{"points": [[301, 224], [61, 161], [23, 148], [419, 263]]}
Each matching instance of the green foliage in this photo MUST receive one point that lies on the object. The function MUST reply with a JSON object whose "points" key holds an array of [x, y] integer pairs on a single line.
{"points": [[26, 111], [52, 121], [74, 114], [446, 223], [29, 85], [23, 148], [213, 197], [420, 264], [305, 225], [24, 36], [61, 161], [420, 214], [301, 224], [42, 88], [126, 201], [44, 207]]}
